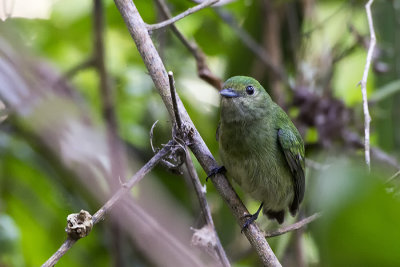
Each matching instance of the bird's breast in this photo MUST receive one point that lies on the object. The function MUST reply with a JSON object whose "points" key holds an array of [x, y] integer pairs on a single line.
{"points": [[252, 157]]}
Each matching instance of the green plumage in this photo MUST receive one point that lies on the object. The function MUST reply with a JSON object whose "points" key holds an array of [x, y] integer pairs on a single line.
{"points": [[260, 147]]}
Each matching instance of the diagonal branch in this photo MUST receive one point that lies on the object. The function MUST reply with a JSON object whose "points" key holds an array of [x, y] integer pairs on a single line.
{"points": [[294, 226], [181, 16], [139, 32], [100, 214], [367, 117], [254, 46], [203, 70]]}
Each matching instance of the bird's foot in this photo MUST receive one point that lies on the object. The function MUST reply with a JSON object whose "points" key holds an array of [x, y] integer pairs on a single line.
{"points": [[251, 218], [215, 171]]}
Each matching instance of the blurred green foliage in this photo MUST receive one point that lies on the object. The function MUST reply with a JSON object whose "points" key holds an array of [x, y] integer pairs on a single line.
{"points": [[360, 217]]}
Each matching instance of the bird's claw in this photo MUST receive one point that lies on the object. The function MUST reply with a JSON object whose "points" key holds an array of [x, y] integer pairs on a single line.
{"points": [[251, 218], [220, 169]]}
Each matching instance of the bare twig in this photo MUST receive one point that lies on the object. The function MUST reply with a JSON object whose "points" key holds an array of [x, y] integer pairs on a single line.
{"points": [[205, 208], [196, 181], [354, 139], [173, 97], [160, 235], [87, 63], [294, 226], [367, 117], [181, 16], [114, 146], [394, 176], [100, 214], [151, 136], [59, 253], [203, 70], [137, 29], [254, 46]]}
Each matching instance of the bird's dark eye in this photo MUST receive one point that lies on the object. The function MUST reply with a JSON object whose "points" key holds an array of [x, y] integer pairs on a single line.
{"points": [[250, 90]]}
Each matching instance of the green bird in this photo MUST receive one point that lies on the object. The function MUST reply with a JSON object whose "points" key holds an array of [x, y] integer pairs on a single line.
{"points": [[260, 148]]}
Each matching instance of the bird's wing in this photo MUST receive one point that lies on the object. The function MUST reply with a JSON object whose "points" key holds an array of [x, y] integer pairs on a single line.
{"points": [[293, 148]]}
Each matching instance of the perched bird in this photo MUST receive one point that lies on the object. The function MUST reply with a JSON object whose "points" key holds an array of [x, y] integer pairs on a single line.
{"points": [[260, 148]]}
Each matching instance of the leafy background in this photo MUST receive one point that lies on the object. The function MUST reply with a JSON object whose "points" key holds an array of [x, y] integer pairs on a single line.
{"points": [[40, 184]]}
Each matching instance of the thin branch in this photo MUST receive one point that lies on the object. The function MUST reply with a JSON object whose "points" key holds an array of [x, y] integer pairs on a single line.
{"points": [[159, 234], [173, 97], [181, 16], [59, 253], [203, 70], [100, 214], [205, 208], [394, 176], [367, 117], [87, 63], [195, 178], [254, 46], [137, 29], [354, 139], [294, 226], [114, 146], [196, 181]]}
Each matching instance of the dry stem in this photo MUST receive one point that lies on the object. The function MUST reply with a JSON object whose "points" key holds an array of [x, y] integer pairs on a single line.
{"points": [[99, 215], [367, 117], [181, 16]]}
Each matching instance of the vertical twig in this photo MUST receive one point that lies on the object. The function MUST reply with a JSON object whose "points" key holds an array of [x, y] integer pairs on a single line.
{"points": [[114, 145], [173, 98], [205, 208], [367, 117], [195, 179]]}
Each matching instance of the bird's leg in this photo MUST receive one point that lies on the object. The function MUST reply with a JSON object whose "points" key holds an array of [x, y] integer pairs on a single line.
{"points": [[252, 217], [220, 169]]}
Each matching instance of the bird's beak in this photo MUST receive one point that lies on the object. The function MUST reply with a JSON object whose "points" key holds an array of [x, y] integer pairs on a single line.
{"points": [[229, 93]]}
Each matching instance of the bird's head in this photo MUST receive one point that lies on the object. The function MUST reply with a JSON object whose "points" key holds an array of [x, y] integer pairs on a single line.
{"points": [[243, 99]]}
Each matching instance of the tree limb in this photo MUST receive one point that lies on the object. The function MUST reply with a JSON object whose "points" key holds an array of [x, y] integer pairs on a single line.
{"points": [[138, 30]]}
